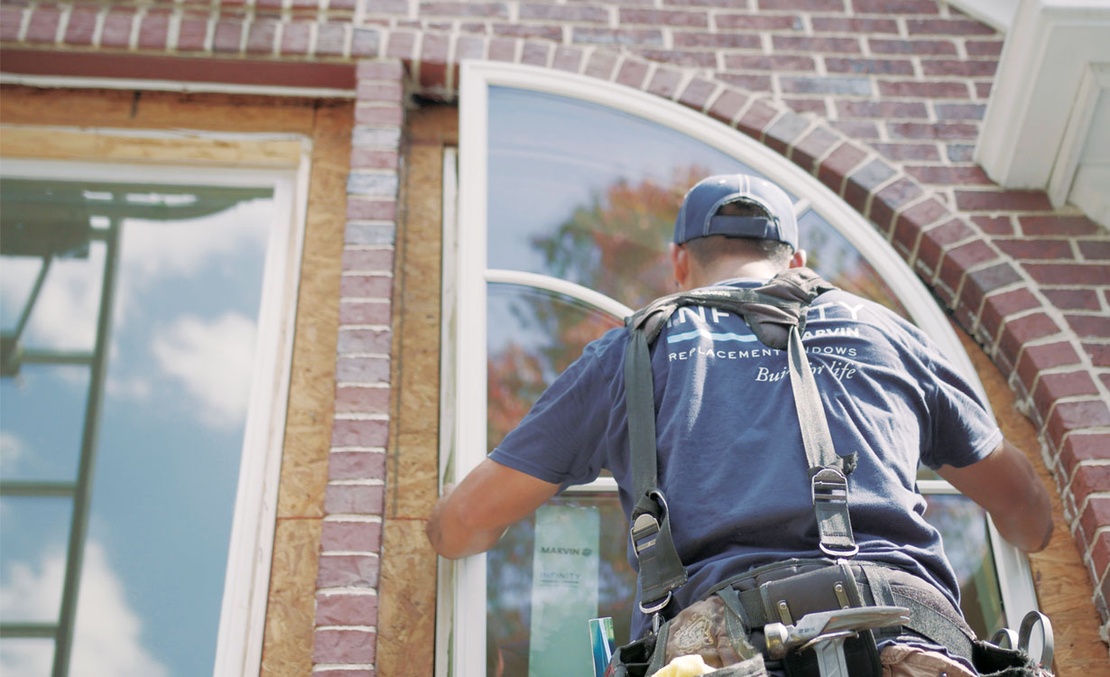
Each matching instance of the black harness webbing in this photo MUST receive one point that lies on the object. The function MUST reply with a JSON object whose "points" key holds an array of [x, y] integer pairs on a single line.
{"points": [[776, 314]]}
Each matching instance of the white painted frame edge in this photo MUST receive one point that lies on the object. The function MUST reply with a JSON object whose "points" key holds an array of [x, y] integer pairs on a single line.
{"points": [[470, 339], [250, 550], [1041, 66]]}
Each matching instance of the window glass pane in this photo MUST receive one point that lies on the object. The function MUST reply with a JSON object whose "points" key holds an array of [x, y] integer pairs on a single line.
{"points": [[963, 526], [509, 610], [169, 406], [533, 336]]}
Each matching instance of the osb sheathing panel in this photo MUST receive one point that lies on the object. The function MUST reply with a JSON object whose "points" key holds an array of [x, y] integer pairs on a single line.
{"points": [[406, 623], [1063, 588], [325, 129]]}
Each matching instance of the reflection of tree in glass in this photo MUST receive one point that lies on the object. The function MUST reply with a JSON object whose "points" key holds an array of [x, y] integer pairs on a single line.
{"points": [[617, 245]]}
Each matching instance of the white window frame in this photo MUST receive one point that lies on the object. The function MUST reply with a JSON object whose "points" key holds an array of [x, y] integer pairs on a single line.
{"points": [[250, 547], [461, 624]]}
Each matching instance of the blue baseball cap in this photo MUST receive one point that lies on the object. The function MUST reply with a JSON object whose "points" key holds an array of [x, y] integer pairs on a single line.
{"points": [[698, 215]]}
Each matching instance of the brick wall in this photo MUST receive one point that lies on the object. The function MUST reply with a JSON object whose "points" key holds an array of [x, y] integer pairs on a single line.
{"points": [[881, 100]]}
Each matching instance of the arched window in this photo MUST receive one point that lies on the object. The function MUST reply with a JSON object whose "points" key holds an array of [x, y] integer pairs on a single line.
{"points": [[567, 189]]}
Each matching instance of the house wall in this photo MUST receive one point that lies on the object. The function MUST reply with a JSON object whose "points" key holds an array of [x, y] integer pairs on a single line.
{"points": [[881, 100]]}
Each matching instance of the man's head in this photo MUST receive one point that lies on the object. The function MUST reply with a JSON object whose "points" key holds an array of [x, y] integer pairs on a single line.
{"points": [[737, 205], [734, 220]]}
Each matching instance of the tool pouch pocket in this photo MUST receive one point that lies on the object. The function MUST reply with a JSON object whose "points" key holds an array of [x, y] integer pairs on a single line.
{"points": [[834, 587]]}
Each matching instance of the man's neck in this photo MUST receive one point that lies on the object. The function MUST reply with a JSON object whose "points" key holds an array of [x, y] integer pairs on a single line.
{"points": [[727, 270]]}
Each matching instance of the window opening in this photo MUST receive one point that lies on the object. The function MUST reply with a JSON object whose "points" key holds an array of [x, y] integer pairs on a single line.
{"points": [[566, 180]]}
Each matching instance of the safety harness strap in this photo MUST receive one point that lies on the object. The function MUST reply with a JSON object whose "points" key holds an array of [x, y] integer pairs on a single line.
{"points": [[776, 314]]}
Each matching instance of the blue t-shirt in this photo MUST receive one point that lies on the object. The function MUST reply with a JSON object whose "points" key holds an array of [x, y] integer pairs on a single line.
{"points": [[731, 460]]}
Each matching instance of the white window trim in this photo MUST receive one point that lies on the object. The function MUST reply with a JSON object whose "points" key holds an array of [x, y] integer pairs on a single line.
{"points": [[461, 629], [1048, 52], [250, 551]]}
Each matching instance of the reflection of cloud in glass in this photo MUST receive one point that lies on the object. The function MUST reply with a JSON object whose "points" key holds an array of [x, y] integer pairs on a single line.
{"points": [[12, 450], [213, 359], [108, 632], [64, 317]]}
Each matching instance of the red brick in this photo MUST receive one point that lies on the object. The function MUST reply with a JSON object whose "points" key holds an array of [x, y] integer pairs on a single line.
{"points": [[365, 286], [946, 68], [811, 45], [923, 90], [957, 261], [601, 65], [994, 225], [228, 37], [357, 465], [894, 6], [563, 13], [362, 209], [856, 25], [192, 35], [632, 73], [536, 53], [696, 93], [359, 433], [863, 181], [717, 41], [919, 47], [756, 22], [1094, 250], [1055, 225], [949, 176], [381, 91], [1056, 386], [344, 646], [756, 118], [750, 82], [616, 37], [346, 609], [835, 168], [388, 71], [1039, 249], [11, 23], [997, 307], [365, 312], [882, 109], [368, 260], [813, 145], [665, 83], [860, 130], [43, 26], [464, 9], [1089, 479], [343, 673], [331, 39], [932, 130], [909, 224], [379, 116], [351, 537], [1020, 332], [80, 28], [657, 17], [869, 66], [785, 63], [978, 284], [1073, 299], [983, 47], [1036, 359], [960, 27], [568, 59], [354, 499], [1014, 200], [1081, 447], [1089, 326], [372, 341], [919, 152], [154, 31], [1100, 562], [1087, 274], [806, 5], [402, 45], [888, 201], [785, 130], [362, 370], [960, 111], [1070, 416], [262, 36], [727, 106], [363, 399]]}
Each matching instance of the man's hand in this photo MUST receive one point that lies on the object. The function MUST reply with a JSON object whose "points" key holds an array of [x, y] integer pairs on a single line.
{"points": [[471, 517], [1006, 486]]}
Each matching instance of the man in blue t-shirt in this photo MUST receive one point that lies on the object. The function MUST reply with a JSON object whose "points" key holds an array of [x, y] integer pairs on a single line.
{"points": [[730, 456]]}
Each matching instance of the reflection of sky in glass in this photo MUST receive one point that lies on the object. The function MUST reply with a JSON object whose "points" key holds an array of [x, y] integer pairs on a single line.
{"points": [[175, 395], [549, 154]]}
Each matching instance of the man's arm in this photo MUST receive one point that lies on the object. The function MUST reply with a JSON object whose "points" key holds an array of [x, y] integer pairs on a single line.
{"points": [[1006, 486], [470, 518]]}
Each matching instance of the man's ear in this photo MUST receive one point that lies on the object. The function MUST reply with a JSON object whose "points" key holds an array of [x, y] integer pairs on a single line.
{"points": [[799, 259], [680, 264]]}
